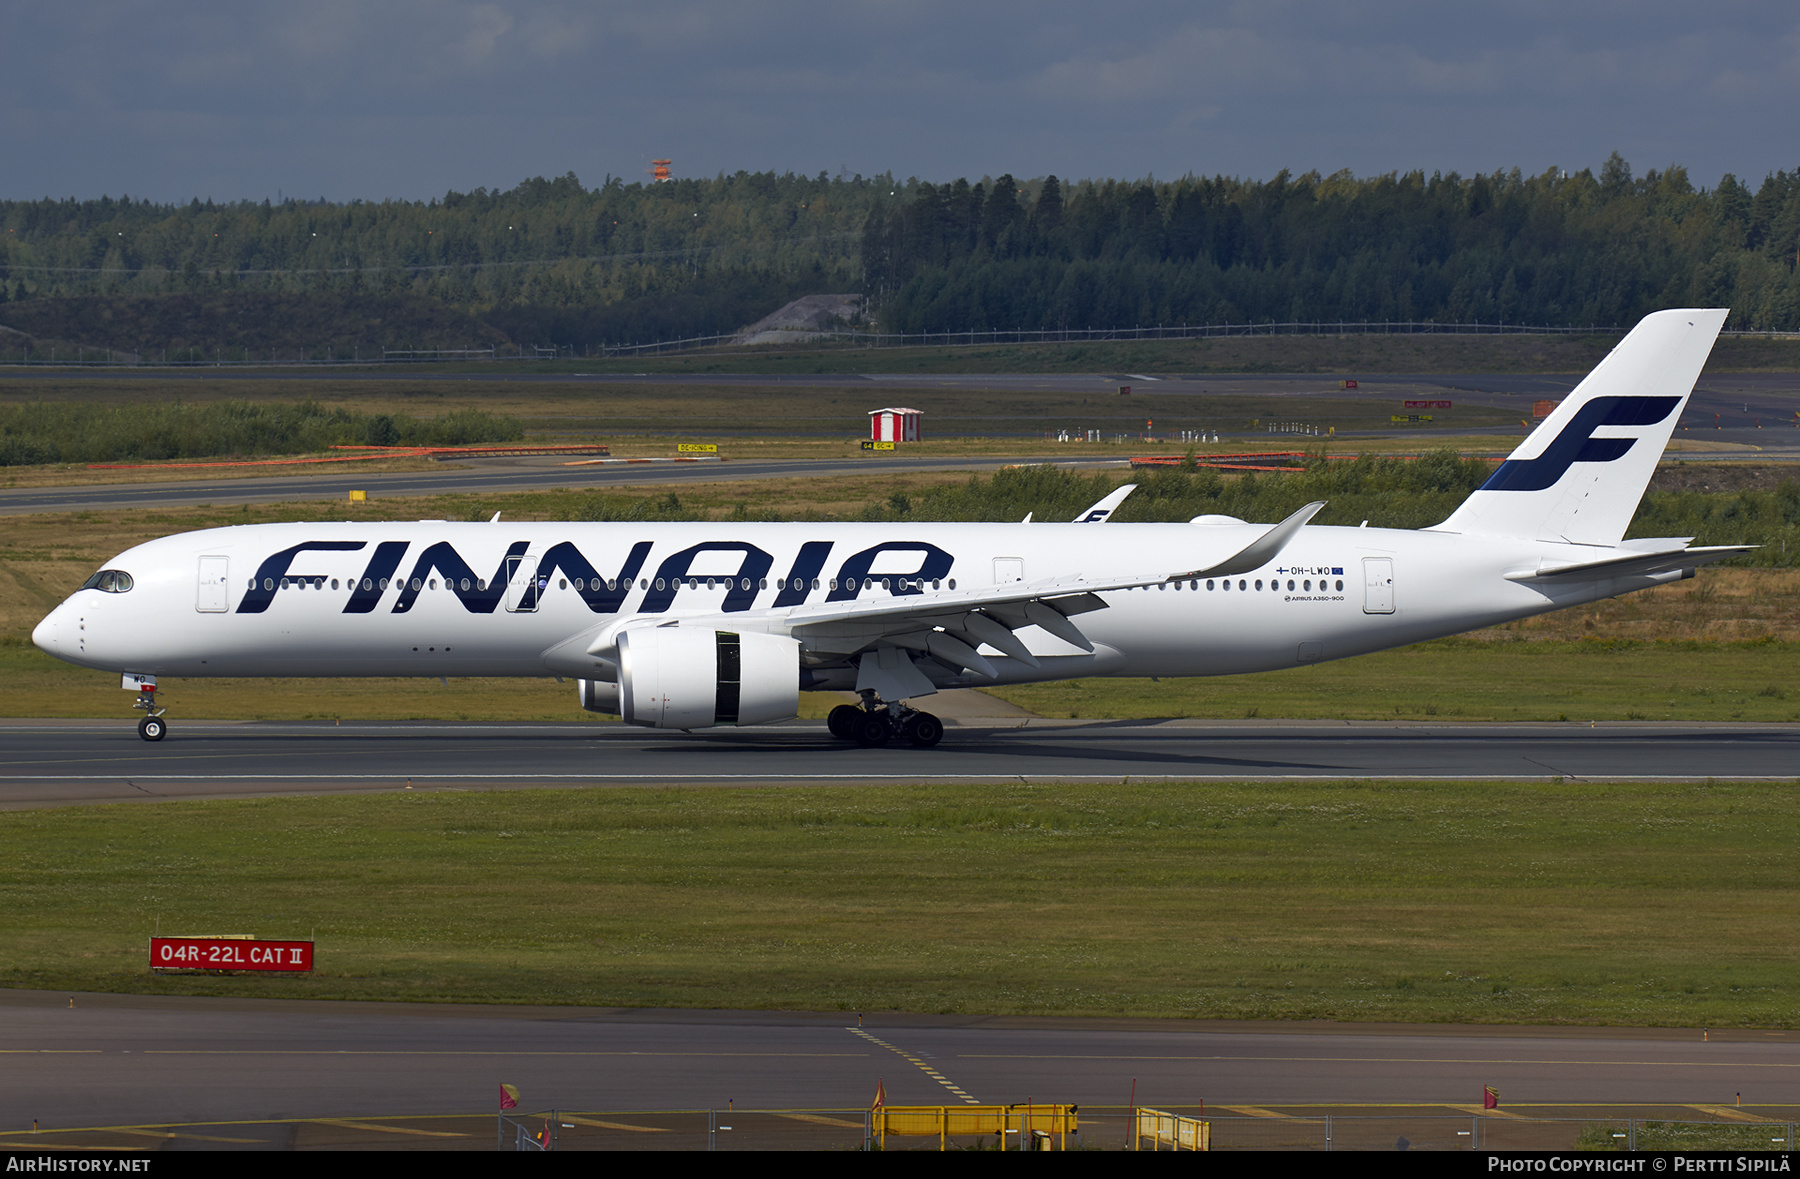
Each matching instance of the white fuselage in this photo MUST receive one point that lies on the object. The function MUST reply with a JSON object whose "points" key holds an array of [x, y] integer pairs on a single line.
{"points": [[1333, 592]]}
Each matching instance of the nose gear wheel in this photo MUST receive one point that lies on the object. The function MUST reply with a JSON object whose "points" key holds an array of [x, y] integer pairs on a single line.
{"points": [[152, 727]]}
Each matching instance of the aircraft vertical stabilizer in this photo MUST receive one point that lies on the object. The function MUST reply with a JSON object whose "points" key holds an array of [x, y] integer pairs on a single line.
{"points": [[1579, 476]]}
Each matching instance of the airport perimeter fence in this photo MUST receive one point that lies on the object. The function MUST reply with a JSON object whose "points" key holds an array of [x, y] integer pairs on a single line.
{"points": [[1100, 1128], [852, 337], [1109, 1129], [845, 338], [1484, 1132]]}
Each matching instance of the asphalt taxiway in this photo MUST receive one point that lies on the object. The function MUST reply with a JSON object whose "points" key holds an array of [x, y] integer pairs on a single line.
{"points": [[52, 763], [110, 1060], [180, 1072], [469, 478]]}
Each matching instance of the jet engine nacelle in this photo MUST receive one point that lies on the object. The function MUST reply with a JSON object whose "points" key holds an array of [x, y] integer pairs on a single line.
{"points": [[676, 677]]}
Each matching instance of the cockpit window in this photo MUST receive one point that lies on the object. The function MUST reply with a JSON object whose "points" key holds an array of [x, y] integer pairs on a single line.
{"points": [[112, 581]]}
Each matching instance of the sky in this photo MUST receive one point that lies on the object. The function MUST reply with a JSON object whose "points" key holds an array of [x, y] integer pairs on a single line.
{"points": [[174, 99]]}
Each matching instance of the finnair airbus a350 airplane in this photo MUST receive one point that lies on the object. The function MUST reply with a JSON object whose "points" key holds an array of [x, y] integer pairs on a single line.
{"points": [[686, 626]]}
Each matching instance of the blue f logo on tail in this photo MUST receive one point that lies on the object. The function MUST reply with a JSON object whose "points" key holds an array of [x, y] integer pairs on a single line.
{"points": [[1577, 444]]}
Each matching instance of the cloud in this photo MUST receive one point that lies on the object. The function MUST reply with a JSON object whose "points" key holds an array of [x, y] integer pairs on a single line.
{"points": [[425, 42], [1195, 57], [554, 34], [355, 96]]}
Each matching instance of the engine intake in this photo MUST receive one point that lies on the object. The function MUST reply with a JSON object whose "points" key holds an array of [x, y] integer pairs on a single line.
{"points": [[673, 677]]}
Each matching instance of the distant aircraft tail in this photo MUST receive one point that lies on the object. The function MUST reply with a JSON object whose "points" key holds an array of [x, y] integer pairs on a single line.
{"points": [[1579, 476]]}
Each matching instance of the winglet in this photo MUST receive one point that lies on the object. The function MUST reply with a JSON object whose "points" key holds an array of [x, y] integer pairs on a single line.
{"points": [[1262, 550], [1102, 511]]}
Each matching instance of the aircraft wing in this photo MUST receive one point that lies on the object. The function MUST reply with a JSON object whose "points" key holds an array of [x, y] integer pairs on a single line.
{"points": [[1048, 604], [950, 626], [947, 625]]}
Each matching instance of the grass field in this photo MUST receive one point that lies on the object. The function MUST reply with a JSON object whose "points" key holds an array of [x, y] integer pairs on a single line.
{"points": [[832, 415], [1469, 680], [829, 418], [1472, 902]]}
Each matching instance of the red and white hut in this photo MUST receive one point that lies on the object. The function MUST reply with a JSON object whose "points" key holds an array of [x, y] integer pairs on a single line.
{"points": [[894, 425]]}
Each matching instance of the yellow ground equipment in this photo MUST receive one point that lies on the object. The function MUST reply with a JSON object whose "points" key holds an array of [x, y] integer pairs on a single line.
{"points": [[1171, 1130], [1018, 1127]]}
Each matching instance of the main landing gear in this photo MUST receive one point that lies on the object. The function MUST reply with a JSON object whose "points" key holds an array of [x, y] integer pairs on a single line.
{"points": [[152, 727], [874, 723]]}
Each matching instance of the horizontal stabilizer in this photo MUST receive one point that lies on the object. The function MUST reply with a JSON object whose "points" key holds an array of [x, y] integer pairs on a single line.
{"points": [[1632, 564]]}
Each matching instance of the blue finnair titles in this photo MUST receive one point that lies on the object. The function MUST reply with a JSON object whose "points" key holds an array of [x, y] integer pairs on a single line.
{"points": [[906, 568], [693, 625]]}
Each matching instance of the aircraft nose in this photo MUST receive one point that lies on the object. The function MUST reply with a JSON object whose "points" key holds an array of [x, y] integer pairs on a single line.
{"points": [[54, 634]]}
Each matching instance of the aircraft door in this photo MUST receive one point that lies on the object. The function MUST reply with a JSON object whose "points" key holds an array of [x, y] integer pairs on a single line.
{"points": [[524, 585], [1378, 585], [214, 585], [1008, 569]]}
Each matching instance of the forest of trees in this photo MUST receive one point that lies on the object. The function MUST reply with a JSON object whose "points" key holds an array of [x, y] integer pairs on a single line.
{"points": [[552, 262], [548, 262], [1555, 249]]}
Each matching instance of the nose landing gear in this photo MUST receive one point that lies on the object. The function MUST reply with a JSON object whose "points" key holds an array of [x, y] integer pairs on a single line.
{"points": [[152, 727], [874, 723]]}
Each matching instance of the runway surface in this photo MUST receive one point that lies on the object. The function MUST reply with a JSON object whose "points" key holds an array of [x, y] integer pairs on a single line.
{"points": [[51, 763], [120, 1060], [463, 478]]}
